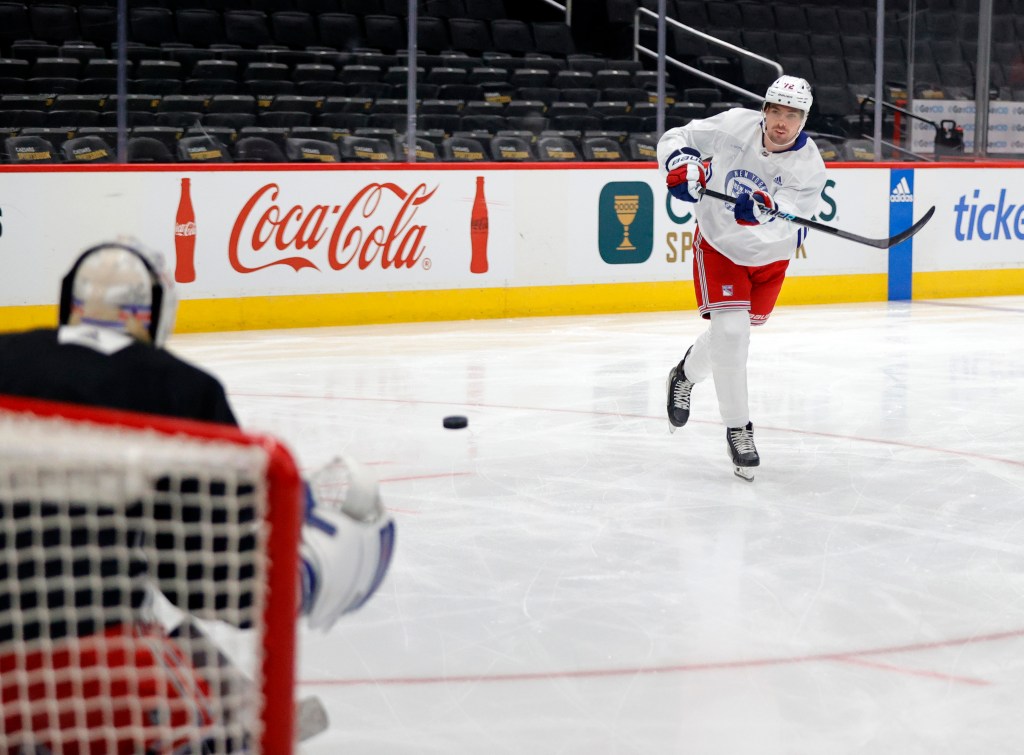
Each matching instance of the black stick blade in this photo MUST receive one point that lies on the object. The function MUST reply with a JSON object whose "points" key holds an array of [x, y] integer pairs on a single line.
{"points": [[899, 238]]}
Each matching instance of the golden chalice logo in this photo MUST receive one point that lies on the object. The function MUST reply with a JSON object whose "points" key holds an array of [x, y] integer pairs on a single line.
{"points": [[626, 206]]}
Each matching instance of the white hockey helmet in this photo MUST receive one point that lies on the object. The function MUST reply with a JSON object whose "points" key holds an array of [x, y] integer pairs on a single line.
{"points": [[791, 91], [122, 286]]}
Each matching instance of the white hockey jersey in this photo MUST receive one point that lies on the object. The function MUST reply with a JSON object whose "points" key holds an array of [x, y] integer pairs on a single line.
{"points": [[739, 163]]}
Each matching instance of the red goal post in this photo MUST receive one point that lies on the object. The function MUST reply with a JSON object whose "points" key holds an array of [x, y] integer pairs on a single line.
{"points": [[80, 489]]}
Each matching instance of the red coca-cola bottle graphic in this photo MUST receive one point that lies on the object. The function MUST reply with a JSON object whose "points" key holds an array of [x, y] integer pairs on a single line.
{"points": [[478, 230], [185, 236]]}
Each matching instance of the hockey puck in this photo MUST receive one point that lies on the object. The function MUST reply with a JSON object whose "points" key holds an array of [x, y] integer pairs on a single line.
{"points": [[455, 422]]}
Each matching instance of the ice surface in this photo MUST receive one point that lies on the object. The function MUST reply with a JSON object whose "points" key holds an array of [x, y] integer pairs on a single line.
{"points": [[571, 578]]}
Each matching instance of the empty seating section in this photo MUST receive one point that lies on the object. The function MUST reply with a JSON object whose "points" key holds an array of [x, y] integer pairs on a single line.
{"points": [[327, 80]]}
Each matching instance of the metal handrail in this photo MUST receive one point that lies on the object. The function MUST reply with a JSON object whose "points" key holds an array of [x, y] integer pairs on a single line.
{"points": [[889, 106], [638, 48], [566, 9]]}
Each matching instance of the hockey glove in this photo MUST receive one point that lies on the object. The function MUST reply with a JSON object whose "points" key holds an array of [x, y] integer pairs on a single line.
{"points": [[687, 175], [347, 542], [754, 209]]}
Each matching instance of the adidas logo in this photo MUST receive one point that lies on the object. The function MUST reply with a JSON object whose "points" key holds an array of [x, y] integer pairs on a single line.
{"points": [[901, 192], [778, 180]]}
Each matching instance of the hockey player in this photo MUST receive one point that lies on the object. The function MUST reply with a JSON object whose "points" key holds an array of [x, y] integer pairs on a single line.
{"points": [[740, 251], [117, 308]]}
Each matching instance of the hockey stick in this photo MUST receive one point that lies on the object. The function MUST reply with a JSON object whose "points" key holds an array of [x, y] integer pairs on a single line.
{"points": [[899, 238]]}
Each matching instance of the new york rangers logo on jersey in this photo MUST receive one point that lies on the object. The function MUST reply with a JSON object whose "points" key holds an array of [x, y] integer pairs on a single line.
{"points": [[743, 181]]}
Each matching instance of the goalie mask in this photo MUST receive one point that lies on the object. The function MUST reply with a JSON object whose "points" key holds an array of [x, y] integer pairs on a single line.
{"points": [[123, 287]]}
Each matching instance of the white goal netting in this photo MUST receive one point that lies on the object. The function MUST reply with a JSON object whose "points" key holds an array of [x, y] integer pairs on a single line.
{"points": [[99, 523]]}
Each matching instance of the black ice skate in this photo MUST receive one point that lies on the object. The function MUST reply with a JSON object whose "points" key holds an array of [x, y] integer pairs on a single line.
{"points": [[742, 450], [678, 389]]}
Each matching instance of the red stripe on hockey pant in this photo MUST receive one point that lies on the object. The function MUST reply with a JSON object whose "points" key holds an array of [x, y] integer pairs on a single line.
{"points": [[721, 284]]}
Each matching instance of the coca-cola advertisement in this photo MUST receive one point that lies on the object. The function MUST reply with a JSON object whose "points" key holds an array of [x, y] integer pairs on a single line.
{"points": [[341, 232]]}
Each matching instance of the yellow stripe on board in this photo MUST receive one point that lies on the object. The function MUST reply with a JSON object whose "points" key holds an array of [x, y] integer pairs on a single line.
{"points": [[834, 289], [28, 317], [423, 306], [955, 283], [488, 303], [265, 312]]}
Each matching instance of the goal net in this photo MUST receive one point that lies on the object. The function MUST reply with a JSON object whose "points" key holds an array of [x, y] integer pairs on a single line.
{"points": [[104, 518]]}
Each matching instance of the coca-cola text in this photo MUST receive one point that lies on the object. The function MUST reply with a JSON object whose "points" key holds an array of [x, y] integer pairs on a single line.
{"points": [[375, 227]]}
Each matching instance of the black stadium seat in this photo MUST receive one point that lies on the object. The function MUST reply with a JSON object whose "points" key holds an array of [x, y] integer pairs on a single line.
{"points": [[601, 148], [157, 69], [553, 38], [313, 72], [507, 148], [486, 9], [284, 119], [362, 7], [445, 8], [183, 119], [232, 103], [146, 149], [470, 35], [823, 19], [257, 149], [52, 85], [463, 149], [426, 150], [202, 148], [260, 71], [200, 27], [489, 123], [72, 120], [757, 15], [248, 28], [366, 148], [432, 34], [276, 135], [233, 121], [383, 32], [22, 150], [152, 26], [14, 68], [87, 149], [14, 24], [723, 14], [790, 17], [344, 121], [557, 149], [293, 29], [210, 87], [56, 67], [340, 31], [512, 36], [55, 135], [311, 150], [54, 23]]}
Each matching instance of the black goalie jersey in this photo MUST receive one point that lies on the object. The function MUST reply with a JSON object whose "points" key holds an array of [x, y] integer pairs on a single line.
{"points": [[46, 594]]}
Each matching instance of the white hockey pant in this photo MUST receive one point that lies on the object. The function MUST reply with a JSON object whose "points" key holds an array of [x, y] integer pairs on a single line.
{"points": [[721, 351]]}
